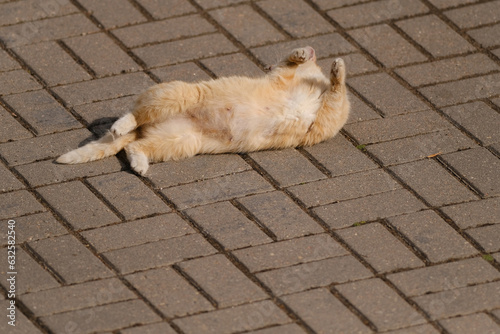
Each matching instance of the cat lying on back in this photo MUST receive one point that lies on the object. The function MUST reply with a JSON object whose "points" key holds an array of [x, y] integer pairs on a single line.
{"points": [[293, 105]]}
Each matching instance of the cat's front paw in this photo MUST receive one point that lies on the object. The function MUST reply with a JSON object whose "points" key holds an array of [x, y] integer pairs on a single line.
{"points": [[301, 55]]}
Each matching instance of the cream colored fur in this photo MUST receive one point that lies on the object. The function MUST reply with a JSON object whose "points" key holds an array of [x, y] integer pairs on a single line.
{"points": [[294, 105]]}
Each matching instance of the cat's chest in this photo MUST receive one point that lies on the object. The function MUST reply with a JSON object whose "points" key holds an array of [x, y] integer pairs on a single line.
{"points": [[302, 104]]}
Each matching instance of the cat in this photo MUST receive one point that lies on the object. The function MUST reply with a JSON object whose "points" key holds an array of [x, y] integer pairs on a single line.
{"points": [[293, 105]]}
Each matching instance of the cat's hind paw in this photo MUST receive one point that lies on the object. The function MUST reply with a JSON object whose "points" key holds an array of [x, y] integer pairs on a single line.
{"points": [[337, 72], [124, 125]]}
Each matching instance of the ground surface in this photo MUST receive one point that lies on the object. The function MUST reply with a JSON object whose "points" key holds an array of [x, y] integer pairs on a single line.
{"points": [[391, 227]]}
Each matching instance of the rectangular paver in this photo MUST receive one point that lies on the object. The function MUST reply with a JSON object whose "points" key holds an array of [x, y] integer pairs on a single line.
{"points": [[19, 203], [476, 213]]}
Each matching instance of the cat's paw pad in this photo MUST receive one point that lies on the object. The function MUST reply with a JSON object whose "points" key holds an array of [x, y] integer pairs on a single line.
{"points": [[302, 55], [124, 125], [337, 72]]}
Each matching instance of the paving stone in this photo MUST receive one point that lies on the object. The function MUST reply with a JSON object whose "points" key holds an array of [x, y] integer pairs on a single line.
{"points": [[223, 281], [424, 30], [169, 292], [129, 195], [197, 168], [289, 329], [46, 30], [30, 10], [387, 94], [228, 225], [296, 17], [433, 183], [447, 69], [16, 130], [418, 147], [385, 44], [107, 317], [328, 4], [449, 3], [42, 112], [479, 167], [479, 119], [397, 127], [234, 319], [344, 187], [160, 253], [153, 32], [9, 181], [421, 329], [35, 227], [476, 15], [104, 88], [105, 111], [379, 247], [157, 328], [328, 45], [287, 167], [487, 36], [360, 111], [23, 324], [163, 9], [476, 213], [230, 65], [281, 215], [462, 91], [387, 204], [487, 236], [380, 304], [340, 157], [184, 50], [113, 13], [188, 72], [218, 189], [325, 313], [247, 25], [433, 236], [137, 232], [475, 323], [314, 274], [18, 203], [102, 54], [71, 259], [79, 296], [7, 63], [461, 301], [373, 12], [289, 252], [17, 81]]}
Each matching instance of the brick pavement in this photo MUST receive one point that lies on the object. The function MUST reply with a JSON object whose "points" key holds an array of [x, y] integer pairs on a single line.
{"points": [[393, 226]]}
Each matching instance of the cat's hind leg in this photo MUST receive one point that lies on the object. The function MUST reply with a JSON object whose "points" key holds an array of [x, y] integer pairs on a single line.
{"points": [[338, 74], [124, 125]]}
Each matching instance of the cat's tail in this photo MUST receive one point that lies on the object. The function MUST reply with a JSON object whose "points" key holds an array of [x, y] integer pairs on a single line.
{"points": [[99, 149]]}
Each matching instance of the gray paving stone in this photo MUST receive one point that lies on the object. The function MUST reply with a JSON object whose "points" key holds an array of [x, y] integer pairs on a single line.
{"points": [[433, 236], [449, 3], [156, 328], [42, 112], [289, 329], [234, 319], [479, 167], [344, 187], [22, 324], [479, 119], [228, 225], [31, 10], [385, 44], [106, 317], [169, 292], [247, 25], [79, 296], [487, 236], [379, 247], [223, 281], [461, 301], [162, 9], [314, 274], [325, 313], [288, 167], [372, 207], [328, 4], [137, 232], [71, 259], [474, 323], [35, 227], [9, 181], [380, 304], [17, 81], [78, 205], [113, 13], [233, 64], [217, 189], [289, 252], [424, 30], [431, 181], [19, 203], [281, 215], [154, 32], [421, 329], [166, 252], [7, 63], [387, 94], [189, 72], [340, 156], [360, 111], [476, 213], [16, 130], [476, 15], [296, 17], [487, 36]]}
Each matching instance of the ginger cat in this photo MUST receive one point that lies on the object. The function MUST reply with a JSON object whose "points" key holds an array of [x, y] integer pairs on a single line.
{"points": [[295, 104]]}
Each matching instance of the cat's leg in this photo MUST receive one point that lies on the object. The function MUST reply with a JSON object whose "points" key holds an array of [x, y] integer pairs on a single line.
{"points": [[124, 125], [138, 159], [301, 55], [337, 75]]}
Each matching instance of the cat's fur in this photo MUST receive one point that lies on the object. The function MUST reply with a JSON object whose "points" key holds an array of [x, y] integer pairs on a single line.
{"points": [[294, 105]]}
